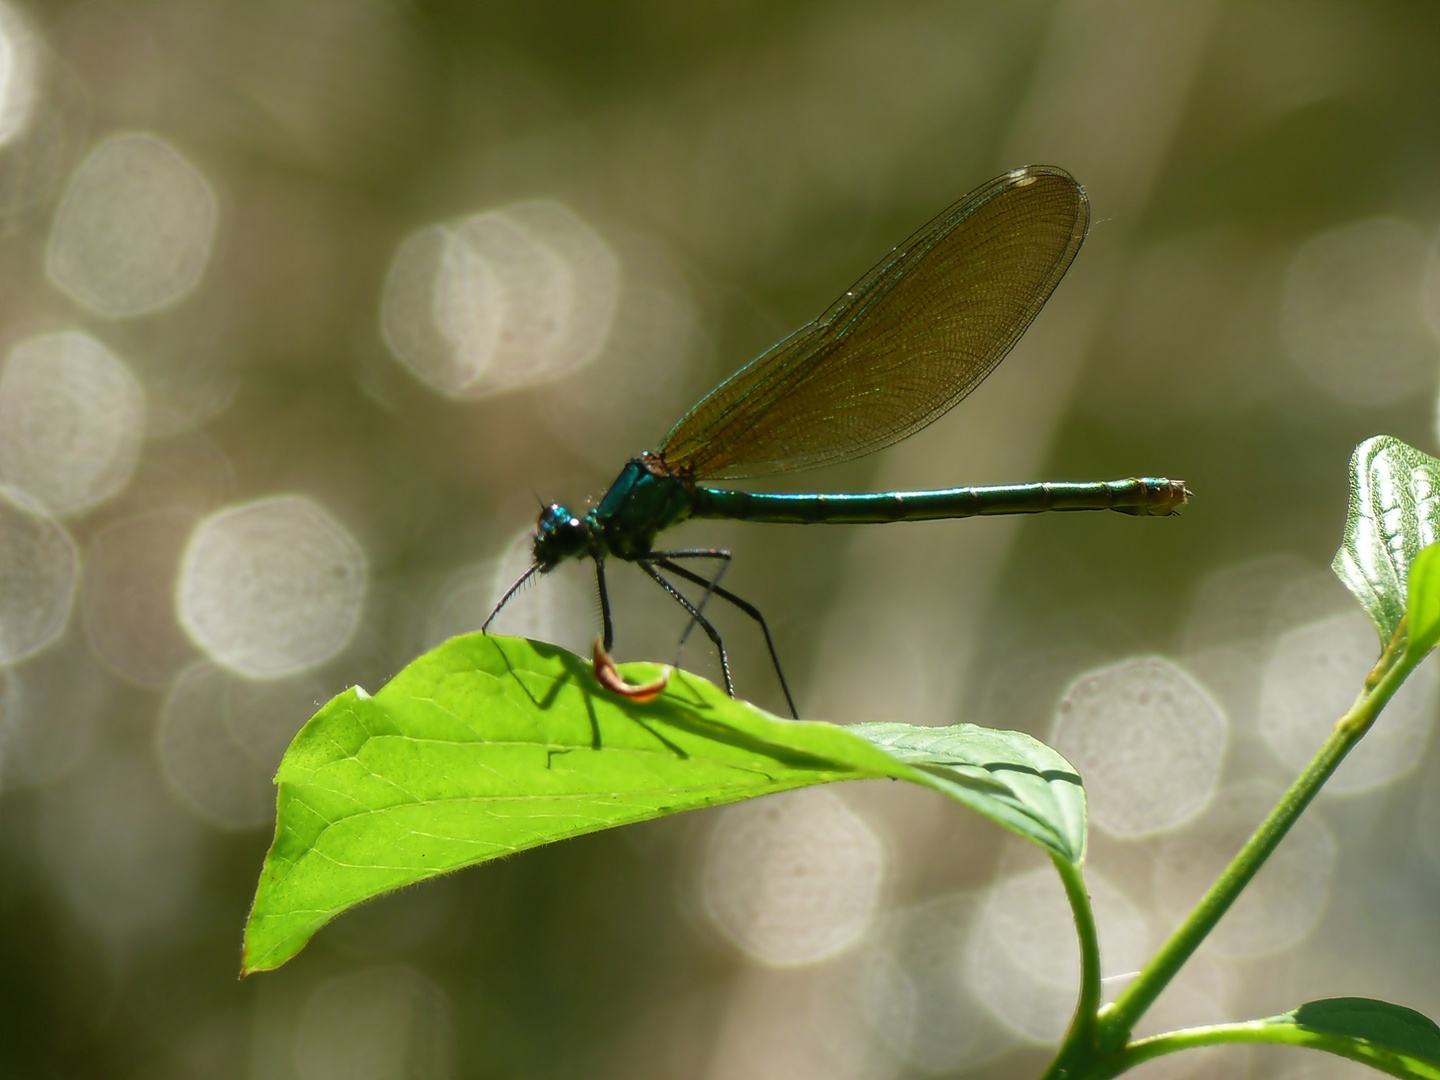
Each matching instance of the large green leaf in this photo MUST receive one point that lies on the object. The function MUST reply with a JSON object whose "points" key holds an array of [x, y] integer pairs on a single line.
{"points": [[1392, 1038], [489, 745], [1394, 513]]}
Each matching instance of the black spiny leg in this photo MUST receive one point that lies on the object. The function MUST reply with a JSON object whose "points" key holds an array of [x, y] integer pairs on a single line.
{"points": [[710, 631], [607, 627], [694, 553], [664, 560], [710, 584]]}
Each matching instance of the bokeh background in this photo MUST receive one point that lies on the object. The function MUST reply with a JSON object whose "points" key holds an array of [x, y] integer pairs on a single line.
{"points": [[304, 302]]}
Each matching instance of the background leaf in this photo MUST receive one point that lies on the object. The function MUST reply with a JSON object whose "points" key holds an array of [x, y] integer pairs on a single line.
{"points": [[1008, 776], [489, 745], [1423, 602], [1398, 1040], [1393, 514]]}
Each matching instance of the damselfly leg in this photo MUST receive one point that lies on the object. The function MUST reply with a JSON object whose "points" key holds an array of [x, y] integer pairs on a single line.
{"points": [[664, 559], [695, 613]]}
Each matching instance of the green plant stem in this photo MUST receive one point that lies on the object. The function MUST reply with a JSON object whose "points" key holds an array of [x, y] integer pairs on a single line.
{"points": [[1080, 1040], [1274, 1032], [1118, 1020]]}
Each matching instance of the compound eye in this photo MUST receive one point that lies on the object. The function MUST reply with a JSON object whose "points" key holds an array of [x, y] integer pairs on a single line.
{"points": [[554, 517]]}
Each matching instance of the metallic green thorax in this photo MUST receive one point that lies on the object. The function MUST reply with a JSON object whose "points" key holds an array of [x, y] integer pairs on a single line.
{"points": [[643, 501]]}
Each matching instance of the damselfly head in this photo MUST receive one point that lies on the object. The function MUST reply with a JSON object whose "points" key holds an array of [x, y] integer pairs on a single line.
{"points": [[559, 535]]}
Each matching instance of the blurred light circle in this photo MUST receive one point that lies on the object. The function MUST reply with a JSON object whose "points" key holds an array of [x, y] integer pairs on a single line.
{"points": [[271, 587], [72, 417], [1311, 679], [39, 567], [221, 737], [1147, 738], [127, 601], [509, 298], [553, 607], [18, 71], [1284, 901], [1352, 317], [134, 229], [561, 284], [383, 1023], [409, 319], [915, 987], [1024, 962], [793, 878]]}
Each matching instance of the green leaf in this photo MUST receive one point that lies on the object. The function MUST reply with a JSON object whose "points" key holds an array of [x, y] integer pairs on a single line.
{"points": [[1394, 513], [1392, 1038], [1422, 614], [489, 745], [1009, 777]]}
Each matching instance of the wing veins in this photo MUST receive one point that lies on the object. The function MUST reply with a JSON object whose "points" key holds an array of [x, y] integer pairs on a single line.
{"points": [[897, 350]]}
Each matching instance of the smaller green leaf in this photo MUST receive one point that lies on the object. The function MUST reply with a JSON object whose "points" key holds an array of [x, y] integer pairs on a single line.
{"points": [[1005, 775], [1394, 513], [1402, 1030], [1422, 613], [1391, 1038]]}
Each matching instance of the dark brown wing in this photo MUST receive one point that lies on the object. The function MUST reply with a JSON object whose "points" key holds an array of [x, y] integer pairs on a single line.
{"points": [[904, 345]]}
